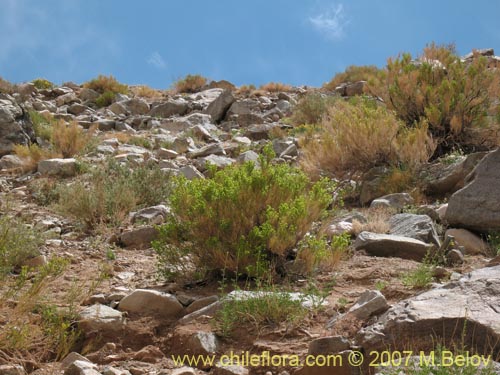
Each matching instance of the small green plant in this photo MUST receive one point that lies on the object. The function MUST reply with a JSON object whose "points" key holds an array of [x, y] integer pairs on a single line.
{"points": [[380, 285], [110, 254], [105, 99], [42, 83], [266, 307], [190, 84], [342, 302], [18, 243], [244, 220], [44, 191], [42, 125], [494, 242], [422, 276], [142, 142]]}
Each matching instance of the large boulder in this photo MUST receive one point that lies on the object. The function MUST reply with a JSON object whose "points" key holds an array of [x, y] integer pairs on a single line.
{"points": [[465, 312], [15, 125], [176, 107], [419, 227], [218, 108], [441, 179], [151, 302], [386, 245], [477, 205]]}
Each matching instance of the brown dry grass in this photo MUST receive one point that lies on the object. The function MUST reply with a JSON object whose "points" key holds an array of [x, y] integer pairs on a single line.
{"points": [[103, 84], [70, 139], [358, 135], [377, 221], [190, 84], [276, 87], [147, 92]]}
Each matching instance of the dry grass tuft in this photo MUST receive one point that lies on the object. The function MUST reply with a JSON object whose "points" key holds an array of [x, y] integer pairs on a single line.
{"points": [[276, 87], [190, 84], [147, 92], [377, 222]]}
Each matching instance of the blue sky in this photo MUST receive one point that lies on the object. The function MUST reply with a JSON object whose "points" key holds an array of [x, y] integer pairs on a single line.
{"points": [[301, 42]]}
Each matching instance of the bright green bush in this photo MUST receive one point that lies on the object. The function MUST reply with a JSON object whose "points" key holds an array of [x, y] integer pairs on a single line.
{"points": [[242, 221], [42, 83]]}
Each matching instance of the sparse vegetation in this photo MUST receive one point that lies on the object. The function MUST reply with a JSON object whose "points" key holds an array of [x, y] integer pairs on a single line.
{"points": [[275, 87], [42, 84], [311, 109], [42, 125], [103, 84], [261, 215], [267, 307], [358, 135], [190, 84], [69, 139], [6, 87], [451, 96], [107, 194], [377, 221], [375, 78], [144, 91], [105, 99]]}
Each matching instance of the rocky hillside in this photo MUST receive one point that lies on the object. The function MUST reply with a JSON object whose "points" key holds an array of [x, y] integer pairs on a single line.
{"points": [[138, 226]]}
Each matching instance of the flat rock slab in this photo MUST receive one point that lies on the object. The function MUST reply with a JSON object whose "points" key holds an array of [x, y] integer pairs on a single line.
{"points": [[418, 227], [386, 245], [151, 302], [467, 309]]}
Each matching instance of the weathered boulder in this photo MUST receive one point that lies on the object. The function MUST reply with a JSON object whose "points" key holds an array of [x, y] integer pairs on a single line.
{"points": [[177, 107], [139, 238], [218, 108], [465, 311], [442, 179], [419, 227], [396, 201], [15, 125], [386, 245], [101, 318], [82, 368], [472, 243], [151, 302], [369, 303], [477, 205], [58, 167]]}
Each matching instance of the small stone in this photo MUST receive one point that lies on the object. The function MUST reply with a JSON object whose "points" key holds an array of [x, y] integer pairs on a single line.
{"points": [[151, 302]]}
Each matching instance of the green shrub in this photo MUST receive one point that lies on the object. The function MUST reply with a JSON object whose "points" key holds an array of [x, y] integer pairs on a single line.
{"points": [[316, 253], [310, 109], [108, 193], [103, 84], [243, 220], [18, 243], [42, 84], [190, 84], [359, 134], [105, 99], [42, 125], [452, 96]]}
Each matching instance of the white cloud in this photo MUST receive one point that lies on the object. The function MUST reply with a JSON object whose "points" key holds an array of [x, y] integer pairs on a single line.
{"points": [[331, 23], [156, 60]]}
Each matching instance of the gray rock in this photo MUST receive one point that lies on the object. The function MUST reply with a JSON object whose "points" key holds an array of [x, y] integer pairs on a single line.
{"points": [[466, 312], [118, 108], [218, 108], [77, 109], [372, 185], [183, 371], [153, 214], [477, 205], [219, 161], [88, 94], [151, 302], [259, 132], [248, 156], [101, 318], [290, 151], [136, 106], [177, 107], [70, 358], [454, 257], [370, 303], [68, 98], [105, 125], [139, 238], [386, 245], [329, 344], [242, 107], [203, 343], [201, 303], [472, 243], [82, 368], [419, 227], [210, 149], [442, 179], [10, 162], [190, 172], [396, 201], [15, 125], [164, 153], [109, 370], [58, 167]]}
